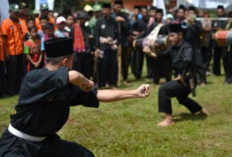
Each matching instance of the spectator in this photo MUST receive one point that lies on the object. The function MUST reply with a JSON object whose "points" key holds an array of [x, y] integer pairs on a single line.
{"points": [[43, 24], [60, 32]]}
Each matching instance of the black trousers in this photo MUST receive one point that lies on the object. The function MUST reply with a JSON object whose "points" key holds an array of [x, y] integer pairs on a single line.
{"points": [[139, 58], [207, 55], [83, 63], [150, 66], [199, 68], [228, 75], [219, 52], [180, 91], [108, 69], [14, 74], [162, 68], [125, 62], [2, 79], [52, 146]]}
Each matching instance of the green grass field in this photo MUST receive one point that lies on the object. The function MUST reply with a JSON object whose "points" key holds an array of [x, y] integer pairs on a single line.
{"points": [[128, 128]]}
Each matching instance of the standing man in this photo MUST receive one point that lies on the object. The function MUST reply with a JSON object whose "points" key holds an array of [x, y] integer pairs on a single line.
{"points": [[105, 36], [219, 51], [83, 60], [181, 54], [2, 68], [124, 22], [23, 16], [12, 34], [97, 13], [139, 30]]}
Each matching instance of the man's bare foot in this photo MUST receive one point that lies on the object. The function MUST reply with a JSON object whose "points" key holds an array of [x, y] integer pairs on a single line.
{"points": [[205, 112], [166, 122]]}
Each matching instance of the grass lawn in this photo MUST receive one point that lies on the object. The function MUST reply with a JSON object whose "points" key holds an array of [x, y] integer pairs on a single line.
{"points": [[128, 128]]}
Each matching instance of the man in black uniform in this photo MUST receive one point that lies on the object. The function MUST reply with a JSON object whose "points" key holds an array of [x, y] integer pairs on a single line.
{"points": [[219, 50], [161, 67], [139, 30], [107, 28], [181, 54], [43, 106], [124, 22]]}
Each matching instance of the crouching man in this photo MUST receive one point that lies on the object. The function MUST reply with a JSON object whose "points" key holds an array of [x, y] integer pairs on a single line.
{"points": [[43, 107]]}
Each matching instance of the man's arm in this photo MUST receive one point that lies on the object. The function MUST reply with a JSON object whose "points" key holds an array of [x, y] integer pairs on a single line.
{"points": [[116, 95], [78, 79], [6, 54]]}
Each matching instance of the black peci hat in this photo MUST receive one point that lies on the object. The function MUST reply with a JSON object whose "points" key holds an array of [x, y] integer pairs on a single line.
{"points": [[220, 7], [192, 8], [59, 47], [106, 5], [175, 28], [158, 10], [118, 2]]}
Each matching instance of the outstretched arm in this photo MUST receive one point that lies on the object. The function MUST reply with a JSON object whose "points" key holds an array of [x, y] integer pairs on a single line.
{"points": [[116, 95]]}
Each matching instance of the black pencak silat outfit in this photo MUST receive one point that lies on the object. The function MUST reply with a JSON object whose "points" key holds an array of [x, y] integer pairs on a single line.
{"points": [[42, 110], [182, 58], [107, 66]]}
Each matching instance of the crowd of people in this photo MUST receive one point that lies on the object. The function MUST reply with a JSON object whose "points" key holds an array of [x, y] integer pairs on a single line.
{"points": [[102, 33]]}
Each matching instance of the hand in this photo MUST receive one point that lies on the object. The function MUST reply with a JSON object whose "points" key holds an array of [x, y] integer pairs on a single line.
{"points": [[148, 51], [136, 33], [88, 86], [97, 53], [143, 91], [120, 19], [36, 64], [180, 78], [7, 56]]}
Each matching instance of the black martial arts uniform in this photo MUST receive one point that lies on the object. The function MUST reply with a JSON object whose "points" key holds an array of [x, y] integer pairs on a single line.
{"points": [[42, 110], [192, 36], [107, 66], [219, 51], [182, 58]]}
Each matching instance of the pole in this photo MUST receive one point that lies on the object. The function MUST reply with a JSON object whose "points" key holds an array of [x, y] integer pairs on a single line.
{"points": [[119, 55]]}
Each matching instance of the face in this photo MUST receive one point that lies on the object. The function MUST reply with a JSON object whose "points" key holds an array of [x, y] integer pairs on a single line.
{"points": [[44, 12], [50, 32], [83, 21], [181, 13], [144, 13], [14, 15], [175, 38], [106, 11], [117, 8], [152, 13], [33, 33], [68, 62], [97, 14], [220, 12], [50, 14], [191, 12], [30, 23], [169, 21], [201, 13], [61, 26], [24, 11], [159, 16], [43, 23], [70, 20], [136, 11]]}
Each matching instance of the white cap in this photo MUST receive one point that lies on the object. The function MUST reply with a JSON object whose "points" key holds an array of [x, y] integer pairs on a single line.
{"points": [[169, 16], [60, 19]]}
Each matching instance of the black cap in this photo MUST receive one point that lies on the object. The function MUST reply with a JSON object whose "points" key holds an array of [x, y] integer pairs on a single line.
{"points": [[192, 8], [118, 2], [175, 28], [220, 7], [83, 15], [106, 5], [182, 7], [158, 10], [58, 47]]}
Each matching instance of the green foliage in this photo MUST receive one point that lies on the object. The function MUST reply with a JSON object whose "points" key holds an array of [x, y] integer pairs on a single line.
{"points": [[128, 128]]}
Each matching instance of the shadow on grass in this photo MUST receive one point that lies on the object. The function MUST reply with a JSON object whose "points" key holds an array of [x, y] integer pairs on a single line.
{"points": [[187, 117]]}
